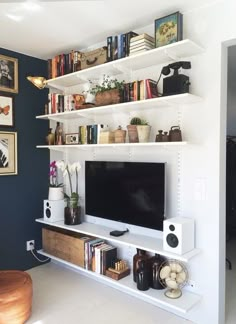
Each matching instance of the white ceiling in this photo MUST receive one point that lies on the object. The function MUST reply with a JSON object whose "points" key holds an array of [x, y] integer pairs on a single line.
{"points": [[60, 26]]}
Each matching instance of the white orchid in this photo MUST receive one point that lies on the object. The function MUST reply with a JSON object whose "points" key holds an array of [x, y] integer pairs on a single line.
{"points": [[68, 170]]}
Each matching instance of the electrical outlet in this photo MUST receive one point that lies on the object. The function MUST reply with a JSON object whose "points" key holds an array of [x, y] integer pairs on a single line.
{"points": [[29, 245], [192, 284]]}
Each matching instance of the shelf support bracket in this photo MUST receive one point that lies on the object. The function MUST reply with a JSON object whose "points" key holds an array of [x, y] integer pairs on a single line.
{"points": [[171, 56]]}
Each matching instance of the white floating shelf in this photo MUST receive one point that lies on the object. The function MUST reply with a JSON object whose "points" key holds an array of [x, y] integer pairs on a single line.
{"points": [[175, 51], [143, 242], [114, 145], [126, 107], [156, 297]]}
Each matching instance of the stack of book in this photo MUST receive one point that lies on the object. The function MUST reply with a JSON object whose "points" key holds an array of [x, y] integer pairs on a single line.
{"points": [[141, 43]]}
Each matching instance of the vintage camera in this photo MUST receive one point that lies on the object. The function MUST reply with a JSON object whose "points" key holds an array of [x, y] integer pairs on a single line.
{"points": [[72, 138]]}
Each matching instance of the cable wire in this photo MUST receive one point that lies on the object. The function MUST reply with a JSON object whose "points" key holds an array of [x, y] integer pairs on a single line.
{"points": [[38, 258]]}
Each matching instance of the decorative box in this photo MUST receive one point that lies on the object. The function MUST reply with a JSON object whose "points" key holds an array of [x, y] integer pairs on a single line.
{"points": [[107, 137], [93, 58], [65, 245]]}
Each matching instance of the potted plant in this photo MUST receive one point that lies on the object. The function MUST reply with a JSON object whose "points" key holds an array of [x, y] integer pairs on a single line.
{"points": [[138, 130], [109, 92], [143, 131], [56, 191], [72, 210]]}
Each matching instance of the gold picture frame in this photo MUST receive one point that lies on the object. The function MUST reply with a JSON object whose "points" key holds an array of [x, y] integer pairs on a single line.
{"points": [[8, 74], [8, 153]]}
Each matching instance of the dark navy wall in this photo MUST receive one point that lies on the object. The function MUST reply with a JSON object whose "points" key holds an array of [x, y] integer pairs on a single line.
{"points": [[21, 196]]}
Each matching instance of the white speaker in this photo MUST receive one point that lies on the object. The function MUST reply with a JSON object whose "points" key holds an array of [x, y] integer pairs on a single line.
{"points": [[178, 235], [53, 210]]}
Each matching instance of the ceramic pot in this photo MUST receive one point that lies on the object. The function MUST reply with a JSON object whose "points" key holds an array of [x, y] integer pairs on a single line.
{"points": [[55, 193], [143, 133], [132, 133]]}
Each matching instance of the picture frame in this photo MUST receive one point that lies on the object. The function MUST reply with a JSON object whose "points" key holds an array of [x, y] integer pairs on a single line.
{"points": [[6, 111], [168, 29], [8, 153], [8, 74]]}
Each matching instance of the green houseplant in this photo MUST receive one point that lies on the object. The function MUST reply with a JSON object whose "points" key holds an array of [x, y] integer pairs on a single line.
{"points": [[108, 92]]}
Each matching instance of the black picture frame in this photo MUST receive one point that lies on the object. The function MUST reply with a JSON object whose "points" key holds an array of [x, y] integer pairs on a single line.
{"points": [[168, 29]]}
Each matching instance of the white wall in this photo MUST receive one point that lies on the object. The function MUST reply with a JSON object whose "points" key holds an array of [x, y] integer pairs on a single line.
{"points": [[202, 161]]}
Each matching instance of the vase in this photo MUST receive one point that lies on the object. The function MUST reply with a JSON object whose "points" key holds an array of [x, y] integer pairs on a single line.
{"points": [[142, 276], [132, 133], [138, 257], [143, 133], [55, 193], [155, 263], [72, 212]]}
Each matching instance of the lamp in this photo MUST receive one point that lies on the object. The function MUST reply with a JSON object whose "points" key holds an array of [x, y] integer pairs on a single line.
{"points": [[39, 82]]}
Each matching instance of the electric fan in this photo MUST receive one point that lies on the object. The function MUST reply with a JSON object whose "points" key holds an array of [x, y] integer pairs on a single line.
{"points": [[174, 276]]}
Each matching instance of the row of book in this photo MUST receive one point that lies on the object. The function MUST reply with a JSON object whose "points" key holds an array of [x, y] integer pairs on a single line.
{"points": [[118, 46], [141, 43], [90, 134], [98, 255], [58, 103], [63, 64], [136, 90]]}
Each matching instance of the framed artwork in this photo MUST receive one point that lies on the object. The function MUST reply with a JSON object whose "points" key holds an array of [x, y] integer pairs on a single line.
{"points": [[169, 29], [6, 111], [8, 74], [8, 153]]}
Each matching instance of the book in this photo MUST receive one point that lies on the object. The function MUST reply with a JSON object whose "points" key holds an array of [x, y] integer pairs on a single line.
{"points": [[143, 36], [138, 48], [142, 42], [109, 49], [108, 257], [151, 89], [129, 35]]}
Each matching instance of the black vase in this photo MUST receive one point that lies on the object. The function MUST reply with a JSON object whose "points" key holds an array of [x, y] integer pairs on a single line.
{"points": [[142, 276], [154, 271], [138, 257]]}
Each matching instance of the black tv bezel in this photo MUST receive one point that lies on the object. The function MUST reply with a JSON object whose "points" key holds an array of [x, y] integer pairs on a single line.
{"points": [[153, 227]]}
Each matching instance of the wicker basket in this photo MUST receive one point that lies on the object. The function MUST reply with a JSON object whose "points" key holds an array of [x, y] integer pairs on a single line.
{"points": [[108, 97]]}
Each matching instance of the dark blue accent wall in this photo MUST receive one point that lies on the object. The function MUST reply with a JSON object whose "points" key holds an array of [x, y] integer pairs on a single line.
{"points": [[22, 195]]}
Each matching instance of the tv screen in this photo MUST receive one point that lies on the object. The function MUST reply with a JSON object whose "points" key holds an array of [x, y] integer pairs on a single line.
{"points": [[128, 192]]}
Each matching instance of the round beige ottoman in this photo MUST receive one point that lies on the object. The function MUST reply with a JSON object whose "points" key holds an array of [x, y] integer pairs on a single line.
{"points": [[15, 297]]}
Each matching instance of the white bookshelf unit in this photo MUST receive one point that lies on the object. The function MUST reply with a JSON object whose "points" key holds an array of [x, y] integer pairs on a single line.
{"points": [[154, 245], [173, 52]]}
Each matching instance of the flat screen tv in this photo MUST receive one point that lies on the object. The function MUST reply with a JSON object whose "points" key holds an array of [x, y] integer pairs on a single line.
{"points": [[127, 192]]}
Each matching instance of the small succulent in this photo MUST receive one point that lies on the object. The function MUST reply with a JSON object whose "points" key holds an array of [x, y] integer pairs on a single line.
{"points": [[138, 121]]}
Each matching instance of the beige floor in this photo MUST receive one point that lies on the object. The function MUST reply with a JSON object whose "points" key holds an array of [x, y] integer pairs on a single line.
{"points": [[62, 296]]}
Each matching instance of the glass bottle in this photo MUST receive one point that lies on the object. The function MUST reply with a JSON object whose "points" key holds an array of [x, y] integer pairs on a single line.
{"points": [[59, 134], [142, 276], [138, 257], [154, 271]]}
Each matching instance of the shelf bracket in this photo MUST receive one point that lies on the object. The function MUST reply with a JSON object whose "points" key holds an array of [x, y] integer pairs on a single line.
{"points": [[171, 56]]}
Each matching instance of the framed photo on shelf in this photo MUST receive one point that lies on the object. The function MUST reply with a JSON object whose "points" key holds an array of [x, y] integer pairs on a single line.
{"points": [[8, 153], [6, 111], [169, 29], [8, 74]]}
